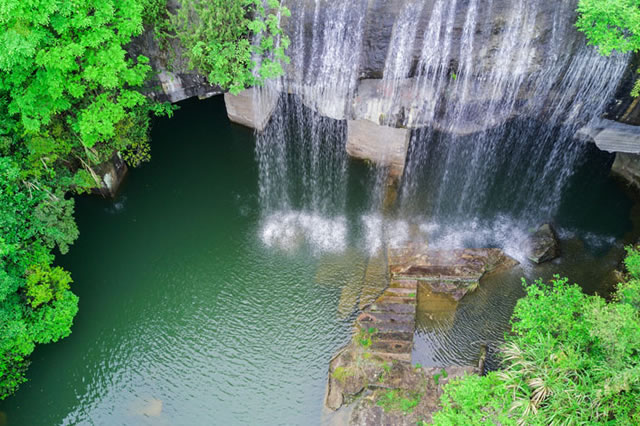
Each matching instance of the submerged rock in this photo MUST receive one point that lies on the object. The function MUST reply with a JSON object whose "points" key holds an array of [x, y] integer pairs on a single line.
{"points": [[151, 407], [542, 246]]}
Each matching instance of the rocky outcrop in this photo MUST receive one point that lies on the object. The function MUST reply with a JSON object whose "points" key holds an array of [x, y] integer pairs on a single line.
{"points": [[542, 245], [251, 108], [406, 396], [173, 78]]}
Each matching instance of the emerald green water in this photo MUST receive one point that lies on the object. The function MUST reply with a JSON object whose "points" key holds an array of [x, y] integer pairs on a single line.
{"points": [[181, 303], [187, 317]]}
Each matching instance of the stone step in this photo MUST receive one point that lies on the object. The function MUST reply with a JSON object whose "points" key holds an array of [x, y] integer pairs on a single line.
{"points": [[391, 299], [400, 292], [374, 317], [395, 335], [398, 308], [419, 271], [391, 346], [454, 278], [450, 287], [404, 284], [386, 356], [393, 326]]}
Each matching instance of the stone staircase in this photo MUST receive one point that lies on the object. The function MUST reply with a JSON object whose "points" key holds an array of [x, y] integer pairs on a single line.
{"points": [[378, 356], [393, 316]]}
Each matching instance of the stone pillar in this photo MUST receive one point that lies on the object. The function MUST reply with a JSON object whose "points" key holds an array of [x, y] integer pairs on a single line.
{"points": [[251, 109], [385, 146], [627, 166]]}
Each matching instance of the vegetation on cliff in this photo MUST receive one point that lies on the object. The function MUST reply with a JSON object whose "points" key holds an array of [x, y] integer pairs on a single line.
{"points": [[611, 25], [235, 43], [71, 97], [571, 358]]}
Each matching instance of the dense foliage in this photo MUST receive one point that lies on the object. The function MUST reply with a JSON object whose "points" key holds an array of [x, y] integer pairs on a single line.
{"points": [[235, 43], [612, 25], [571, 359], [70, 99]]}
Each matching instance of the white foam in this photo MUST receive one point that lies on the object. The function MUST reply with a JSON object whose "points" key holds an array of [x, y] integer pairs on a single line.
{"points": [[290, 230]]}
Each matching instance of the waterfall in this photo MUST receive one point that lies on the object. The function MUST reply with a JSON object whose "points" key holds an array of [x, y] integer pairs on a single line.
{"points": [[492, 91], [301, 153]]}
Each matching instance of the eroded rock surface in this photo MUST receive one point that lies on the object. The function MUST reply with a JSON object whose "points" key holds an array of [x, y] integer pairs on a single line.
{"points": [[542, 246], [406, 395]]}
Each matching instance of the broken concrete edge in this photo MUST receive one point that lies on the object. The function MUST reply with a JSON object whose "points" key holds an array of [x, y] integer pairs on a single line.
{"points": [[382, 145], [252, 107]]}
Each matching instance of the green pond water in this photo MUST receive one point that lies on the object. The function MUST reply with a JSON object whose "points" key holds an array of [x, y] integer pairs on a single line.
{"points": [[187, 317]]}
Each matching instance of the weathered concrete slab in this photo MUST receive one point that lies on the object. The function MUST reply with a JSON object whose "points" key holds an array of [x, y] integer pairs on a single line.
{"points": [[452, 272], [385, 146], [251, 108], [612, 136]]}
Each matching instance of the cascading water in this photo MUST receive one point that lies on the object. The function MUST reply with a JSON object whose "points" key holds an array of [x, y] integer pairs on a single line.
{"points": [[301, 154], [500, 143], [493, 92]]}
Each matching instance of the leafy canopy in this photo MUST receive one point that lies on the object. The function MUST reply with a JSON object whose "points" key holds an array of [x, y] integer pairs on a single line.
{"points": [[611, 25], [69, 99], [235, 43], [570, 359]]}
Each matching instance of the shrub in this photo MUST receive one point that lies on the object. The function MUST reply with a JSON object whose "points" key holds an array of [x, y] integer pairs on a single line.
{"points": [[570, 358]]}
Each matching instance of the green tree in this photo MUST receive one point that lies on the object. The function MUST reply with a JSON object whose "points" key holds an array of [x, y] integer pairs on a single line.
{"points": [[611, 25], [235, 43], [69, 99], [570, 359]]}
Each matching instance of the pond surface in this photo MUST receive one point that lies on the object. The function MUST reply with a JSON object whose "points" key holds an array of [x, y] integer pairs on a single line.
{"points": [[191, 314]]}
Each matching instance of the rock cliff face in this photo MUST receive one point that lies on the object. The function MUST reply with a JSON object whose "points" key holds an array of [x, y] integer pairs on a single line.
{"points": [[461, 67], [173, 79]]}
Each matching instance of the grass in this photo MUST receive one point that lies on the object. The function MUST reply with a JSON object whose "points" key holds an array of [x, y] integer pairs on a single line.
{"points": [[399, 400], [365, 337], [442, 373], [341, 374]]}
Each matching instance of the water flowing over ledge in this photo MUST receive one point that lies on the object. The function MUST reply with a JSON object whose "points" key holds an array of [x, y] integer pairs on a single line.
{"points": [[486, 100]]}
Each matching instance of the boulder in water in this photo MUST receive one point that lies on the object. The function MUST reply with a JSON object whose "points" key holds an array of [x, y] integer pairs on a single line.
{"points": [[542, 245]]}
